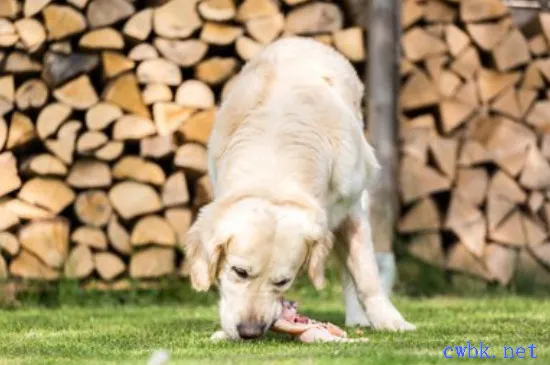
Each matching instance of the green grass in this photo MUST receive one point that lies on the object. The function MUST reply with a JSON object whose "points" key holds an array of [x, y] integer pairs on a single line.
{"points": [[98, 329]]}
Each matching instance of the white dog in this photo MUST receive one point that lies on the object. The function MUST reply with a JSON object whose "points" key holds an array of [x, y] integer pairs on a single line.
{"points": [[290, 169]]}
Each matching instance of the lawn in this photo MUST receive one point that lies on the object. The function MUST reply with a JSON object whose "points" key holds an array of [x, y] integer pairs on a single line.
{"points": [[104, 331]]}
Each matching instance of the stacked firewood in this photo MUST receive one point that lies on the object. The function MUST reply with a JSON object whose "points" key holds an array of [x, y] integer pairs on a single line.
{"points": [[475, 139], [105, 110]]}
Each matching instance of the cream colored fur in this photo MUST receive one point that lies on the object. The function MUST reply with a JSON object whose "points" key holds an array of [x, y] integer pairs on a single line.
{"points": [[290, 167]]}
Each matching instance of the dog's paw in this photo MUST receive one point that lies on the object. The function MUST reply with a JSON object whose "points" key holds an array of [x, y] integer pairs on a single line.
{"points": [[219, 336], [383, 316]]}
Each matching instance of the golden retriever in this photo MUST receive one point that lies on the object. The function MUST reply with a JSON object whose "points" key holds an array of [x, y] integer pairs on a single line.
{"points": [[290, 168]]}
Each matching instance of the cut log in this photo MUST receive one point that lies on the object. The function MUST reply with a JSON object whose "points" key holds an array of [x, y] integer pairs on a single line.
{"points": [[216, 69], [468, 93], [31, 94], [177, 19], [481, 10], [140, 25], [108, 266], [545, 148], [532, 77], [536, 172], [423, 216], [254, 9], [544, 20], [220, 34], [507, 104], [492, 83], [50, 118], [86, 174], [488, 35], [512, 52], [63, 21], [18, 62], [504, 186], [33, 7], [7, 88], [44, 165], [526, 98], [204, 192], [131, 127], [104, 38], [160, 71], [472, 184], [9, 244], [418, 92], [59, 68], [78, 94], [90, 141], [314, 18], [49, 193], [427, 247], [456, 39], [175, 191], [439, 12], [70, 129], [192, 158], [247, 48], [461, 260], [535, 201], [101, 115], [8, 219], [419, 45], [435, 65], [131, 199], [10, 178], [152, 263], [448, 83], [21, 131], [102, 13], [418, 180], [266, 29], [510, 231], [350, 42], [3, 133], [8, 33], [411, 13], [110, 152], [47, 239], [468, 223], [143, 51], [115, 64], [93, 208], [118, 237], [91, 237], [467, 63], [153, 229], [198, 127], [24, 210], [27, 266], [62, 148], [169, 116], [454, 113], [180, 219], [136, 168], [501, 263], [155, 93], [185, 53], [217, 10], [31, 32], [157, 147], [445, 152], [538, 116], [195, 94], [542, 253], [80, 263], [124, 92], [535, 232]]}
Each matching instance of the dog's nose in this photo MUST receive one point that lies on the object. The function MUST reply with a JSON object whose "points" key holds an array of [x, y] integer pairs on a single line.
{"points": [[251, 330]]}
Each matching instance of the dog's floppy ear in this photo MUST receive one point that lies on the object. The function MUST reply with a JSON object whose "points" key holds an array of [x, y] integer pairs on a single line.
{"points": [[320, 241], [203, 246]]}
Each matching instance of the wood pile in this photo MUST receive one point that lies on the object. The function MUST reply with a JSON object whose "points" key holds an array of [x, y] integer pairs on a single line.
{"points": [[105, 110], [475, 139]]}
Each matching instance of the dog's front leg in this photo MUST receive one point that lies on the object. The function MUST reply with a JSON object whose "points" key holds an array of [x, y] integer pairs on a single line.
{"points": [[356, 251]]}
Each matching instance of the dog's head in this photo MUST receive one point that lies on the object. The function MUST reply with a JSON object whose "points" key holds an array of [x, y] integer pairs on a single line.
{"points": [[254, 250]]}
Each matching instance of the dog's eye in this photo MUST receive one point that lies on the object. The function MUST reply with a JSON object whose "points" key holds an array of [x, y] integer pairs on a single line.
{"points": [[240, 272], [281, 282]]}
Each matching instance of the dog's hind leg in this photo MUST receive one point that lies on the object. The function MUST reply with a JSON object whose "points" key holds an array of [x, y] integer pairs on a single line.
{"points": [[356, 251]]}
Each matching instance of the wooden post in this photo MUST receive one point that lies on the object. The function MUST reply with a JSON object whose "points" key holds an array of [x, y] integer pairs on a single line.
{"points": [[382, 81]]}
